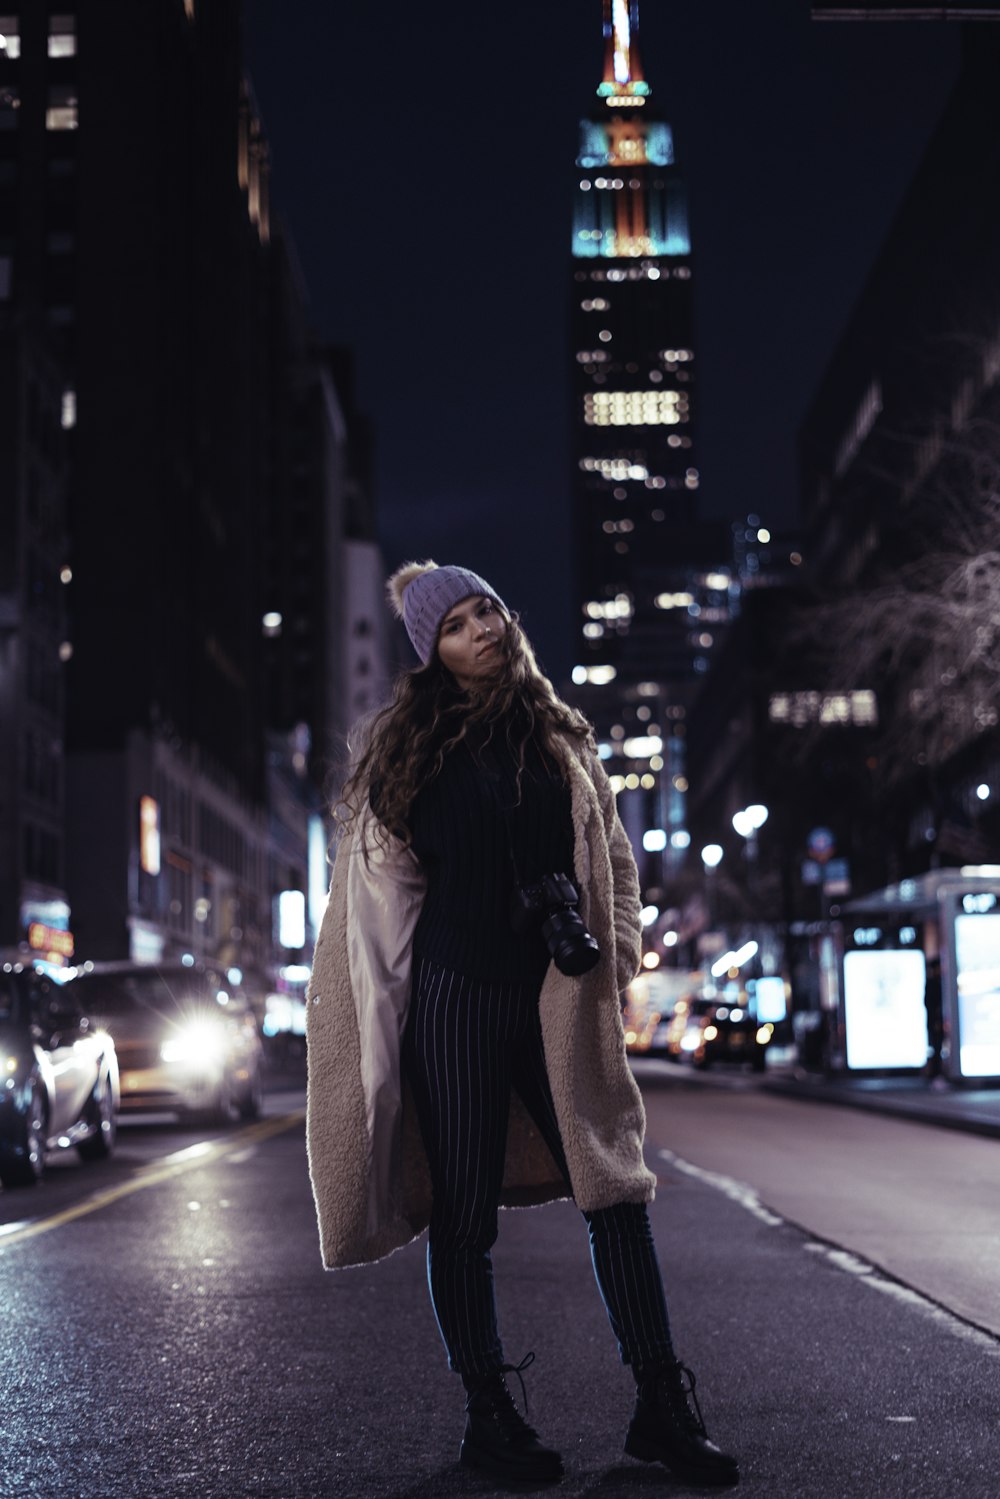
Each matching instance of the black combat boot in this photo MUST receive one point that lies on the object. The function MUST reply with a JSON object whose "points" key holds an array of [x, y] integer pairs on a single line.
{"points": [[667, 1427], [497, 1437]]}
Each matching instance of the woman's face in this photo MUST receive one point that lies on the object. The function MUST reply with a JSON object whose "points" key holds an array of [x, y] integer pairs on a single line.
{"points": [[468, 641]]}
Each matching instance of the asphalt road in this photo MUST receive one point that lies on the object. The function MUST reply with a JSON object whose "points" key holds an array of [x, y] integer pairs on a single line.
{"points": [[167, 1330]]}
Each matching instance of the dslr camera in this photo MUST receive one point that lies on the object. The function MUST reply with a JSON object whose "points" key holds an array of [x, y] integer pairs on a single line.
{"points": [[550, 907]]}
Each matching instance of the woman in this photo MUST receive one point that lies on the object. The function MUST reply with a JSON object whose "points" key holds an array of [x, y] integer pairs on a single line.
{"points": [[459, 1057]]}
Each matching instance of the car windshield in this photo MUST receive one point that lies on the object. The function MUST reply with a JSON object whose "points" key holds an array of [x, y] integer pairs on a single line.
{"points": [[166, 991]]}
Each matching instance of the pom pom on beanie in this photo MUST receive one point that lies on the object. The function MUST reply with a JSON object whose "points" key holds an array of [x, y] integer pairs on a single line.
{"points": [[421, 593]]}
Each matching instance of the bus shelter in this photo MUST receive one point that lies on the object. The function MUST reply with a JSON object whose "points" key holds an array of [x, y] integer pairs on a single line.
{"points": [[921, 975]]}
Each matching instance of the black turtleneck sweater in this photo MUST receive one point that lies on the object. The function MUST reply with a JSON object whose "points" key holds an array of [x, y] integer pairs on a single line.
{"points": [[464, 824]]}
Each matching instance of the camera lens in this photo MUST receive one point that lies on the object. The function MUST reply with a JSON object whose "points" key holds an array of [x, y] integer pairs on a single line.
{"points": [[574, 951]]}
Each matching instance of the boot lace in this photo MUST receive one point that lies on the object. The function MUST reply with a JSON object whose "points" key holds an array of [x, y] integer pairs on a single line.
{"points": [[678, 1385], [502, 1407]]}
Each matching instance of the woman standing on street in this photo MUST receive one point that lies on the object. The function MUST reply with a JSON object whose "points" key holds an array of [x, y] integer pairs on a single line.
{"points": [[465, 1036]]}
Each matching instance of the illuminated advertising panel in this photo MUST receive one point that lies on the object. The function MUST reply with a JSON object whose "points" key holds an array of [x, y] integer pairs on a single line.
{"points": [[771, 1001], [292, 919], [149, 834], [977, 962], [884, 1011]]}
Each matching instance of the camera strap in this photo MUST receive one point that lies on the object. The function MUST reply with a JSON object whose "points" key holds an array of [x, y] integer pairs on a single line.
{"points": [[492, 777]]}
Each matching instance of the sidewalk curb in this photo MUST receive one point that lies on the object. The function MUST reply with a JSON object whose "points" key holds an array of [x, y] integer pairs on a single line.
{"points": [[972, 1122]]}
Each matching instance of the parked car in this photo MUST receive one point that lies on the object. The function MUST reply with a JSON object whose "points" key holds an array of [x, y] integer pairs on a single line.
{"points": [[58, 1076], [703, 1031], [187, 1042]]}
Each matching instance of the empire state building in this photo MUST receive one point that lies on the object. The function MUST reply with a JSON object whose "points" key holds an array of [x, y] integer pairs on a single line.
{"points": [[636, 476]]}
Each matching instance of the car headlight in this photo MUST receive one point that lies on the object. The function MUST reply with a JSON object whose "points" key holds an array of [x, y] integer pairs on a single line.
{"points": [[764, 1033], [711, 1031], [199, 1041]]}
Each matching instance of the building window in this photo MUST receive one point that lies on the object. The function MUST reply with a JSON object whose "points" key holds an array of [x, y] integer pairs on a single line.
{"points": [[62, 36], [857, 709], [62, 111], [10, 103], [635, 408], [10, 37], [68, 412]]}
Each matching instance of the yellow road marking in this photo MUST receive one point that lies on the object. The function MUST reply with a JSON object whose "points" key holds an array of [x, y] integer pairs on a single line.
{"points": [[153, 1174]]}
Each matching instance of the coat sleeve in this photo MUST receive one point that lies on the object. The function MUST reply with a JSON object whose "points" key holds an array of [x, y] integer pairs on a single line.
{"points": [[625, 880]]}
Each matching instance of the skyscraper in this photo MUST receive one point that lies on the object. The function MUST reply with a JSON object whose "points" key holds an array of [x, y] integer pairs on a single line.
{"points": [[648, 594], [632, 331]]}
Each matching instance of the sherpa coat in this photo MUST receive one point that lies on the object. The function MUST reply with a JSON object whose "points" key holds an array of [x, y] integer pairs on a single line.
{"points": [[367, 1164]]}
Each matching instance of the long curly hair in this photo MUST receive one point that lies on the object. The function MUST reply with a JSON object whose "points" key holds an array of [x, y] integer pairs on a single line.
{"points": [[429, 715]]}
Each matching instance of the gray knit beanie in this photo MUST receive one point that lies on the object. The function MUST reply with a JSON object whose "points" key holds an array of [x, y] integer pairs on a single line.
{"points": [[421, 593]]}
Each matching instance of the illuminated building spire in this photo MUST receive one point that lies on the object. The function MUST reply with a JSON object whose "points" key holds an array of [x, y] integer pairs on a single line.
{"points": [[623, 83]]}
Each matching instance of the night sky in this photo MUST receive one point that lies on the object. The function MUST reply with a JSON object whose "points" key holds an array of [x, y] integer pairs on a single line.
{"points": [[424, 162]]}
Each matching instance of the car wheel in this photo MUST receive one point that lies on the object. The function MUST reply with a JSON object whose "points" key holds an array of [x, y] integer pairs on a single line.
{"points": [[252, 1102], [759, 1061], [22, 1162], [101, 1114]]}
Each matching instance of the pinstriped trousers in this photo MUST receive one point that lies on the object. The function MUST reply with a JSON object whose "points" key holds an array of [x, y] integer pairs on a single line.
{"points": [[467, 1042]]}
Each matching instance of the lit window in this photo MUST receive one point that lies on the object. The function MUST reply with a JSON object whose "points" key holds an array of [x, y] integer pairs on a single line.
{"points": [[635, 408], [62, 111], [598, 676], [801, 708], [68, 414], [62, 36], [10, 37]]}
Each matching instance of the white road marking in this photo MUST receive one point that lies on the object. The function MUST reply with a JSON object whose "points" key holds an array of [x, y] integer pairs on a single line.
{"points": [[738, 1191], [841, 1259]]}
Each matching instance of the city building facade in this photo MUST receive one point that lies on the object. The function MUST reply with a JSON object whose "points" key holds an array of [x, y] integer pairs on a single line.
{"points": [[652, 595], [175, 610]]}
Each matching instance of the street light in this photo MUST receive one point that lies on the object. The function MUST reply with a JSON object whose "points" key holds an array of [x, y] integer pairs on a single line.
{"points": [[711, 857], [749, 822]]}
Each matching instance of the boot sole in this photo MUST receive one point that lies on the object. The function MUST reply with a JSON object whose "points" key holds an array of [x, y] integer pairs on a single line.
{"points": [[472, 1456], [651, 1452]]}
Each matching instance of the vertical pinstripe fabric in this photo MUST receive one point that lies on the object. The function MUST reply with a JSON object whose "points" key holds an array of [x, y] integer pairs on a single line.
{"points": [[467, 1042]]}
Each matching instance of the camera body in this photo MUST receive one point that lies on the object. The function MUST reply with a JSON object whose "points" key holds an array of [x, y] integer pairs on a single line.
{"points": [[550, 907]]}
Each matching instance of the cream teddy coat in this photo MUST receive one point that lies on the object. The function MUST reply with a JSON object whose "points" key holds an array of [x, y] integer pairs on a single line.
{"points": [[367, 1164]]}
